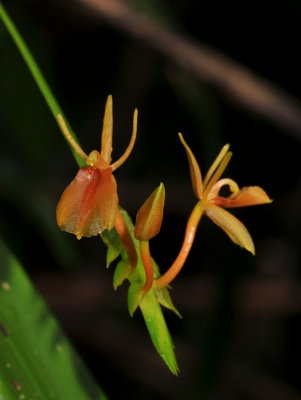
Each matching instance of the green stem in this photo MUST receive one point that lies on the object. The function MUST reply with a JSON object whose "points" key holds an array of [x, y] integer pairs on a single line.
{"points": [[148, 266], [36, 73]]}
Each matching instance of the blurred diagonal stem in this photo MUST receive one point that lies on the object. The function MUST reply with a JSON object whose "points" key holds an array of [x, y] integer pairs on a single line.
{"points": [[36, 72], [249, 91]]}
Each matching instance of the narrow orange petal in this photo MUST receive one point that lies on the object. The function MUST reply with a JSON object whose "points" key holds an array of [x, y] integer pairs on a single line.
{"points": [[88, 205], [247, 196], [218, 173], [195, 172], [130, 147], [235, 229], [216, 163]]}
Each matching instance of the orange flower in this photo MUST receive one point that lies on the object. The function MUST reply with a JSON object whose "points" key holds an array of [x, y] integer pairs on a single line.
{"points": [[213, 204], [89, 205]]}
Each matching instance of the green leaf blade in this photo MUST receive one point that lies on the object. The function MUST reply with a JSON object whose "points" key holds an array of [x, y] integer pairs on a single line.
{"points": [[38, 362]]}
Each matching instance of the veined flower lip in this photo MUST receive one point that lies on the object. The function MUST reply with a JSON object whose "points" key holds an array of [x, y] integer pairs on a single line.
{"points": [[207, 192]]}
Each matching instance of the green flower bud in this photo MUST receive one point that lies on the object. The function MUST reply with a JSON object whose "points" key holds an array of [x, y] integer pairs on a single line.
{"points": [[149, 217]]}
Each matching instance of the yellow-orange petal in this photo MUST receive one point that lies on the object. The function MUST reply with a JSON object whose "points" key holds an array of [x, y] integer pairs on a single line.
{"points": [[195, 172], [130, 147], [247, 196], [88, 205], [150, 215], [216, 163], [235, 229], [107, 131]]}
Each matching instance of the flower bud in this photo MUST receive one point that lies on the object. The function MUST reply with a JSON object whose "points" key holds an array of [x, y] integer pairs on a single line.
{"points": [[149, 217]]}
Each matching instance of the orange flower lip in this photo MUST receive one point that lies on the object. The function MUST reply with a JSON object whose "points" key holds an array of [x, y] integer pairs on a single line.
{"points": [[207, 192], [96, 178], [247, 196], [89, 204]]}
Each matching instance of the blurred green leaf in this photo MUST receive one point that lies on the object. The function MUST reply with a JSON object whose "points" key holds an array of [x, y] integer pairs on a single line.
{"points": [[29, 125], [37, 361], [37, 75]]}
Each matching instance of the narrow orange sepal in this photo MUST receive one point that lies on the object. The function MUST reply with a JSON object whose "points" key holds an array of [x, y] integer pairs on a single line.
{"points": [[235, 229], [195, 172]]}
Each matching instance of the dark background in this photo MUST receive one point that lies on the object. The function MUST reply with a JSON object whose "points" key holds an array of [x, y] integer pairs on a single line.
{"points": [[240, 334]]}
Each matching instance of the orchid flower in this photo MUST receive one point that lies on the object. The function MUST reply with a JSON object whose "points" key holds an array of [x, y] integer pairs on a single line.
{"points": [[89, 205], [211, 203]]}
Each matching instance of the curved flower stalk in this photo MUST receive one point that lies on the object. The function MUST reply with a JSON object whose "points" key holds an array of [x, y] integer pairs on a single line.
{"points": [[212, 204], [89, 205]]}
